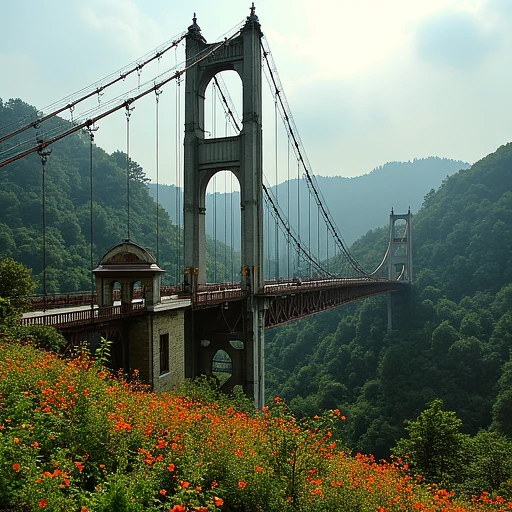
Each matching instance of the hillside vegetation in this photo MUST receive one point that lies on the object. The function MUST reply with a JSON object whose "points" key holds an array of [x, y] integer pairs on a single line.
{"points": [[452, 337], [72, 437], [68, 200]]}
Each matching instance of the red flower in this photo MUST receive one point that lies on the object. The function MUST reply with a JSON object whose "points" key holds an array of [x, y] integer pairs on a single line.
{"points": [[16, 467], [218, 502], [43, 503], [171, 467], [259, 469], [242, 484], [163, 492], [178, 508]]}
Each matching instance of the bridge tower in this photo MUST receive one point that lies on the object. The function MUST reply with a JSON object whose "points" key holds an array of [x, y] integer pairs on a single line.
{"points": [[241, 154], [399, 255]]}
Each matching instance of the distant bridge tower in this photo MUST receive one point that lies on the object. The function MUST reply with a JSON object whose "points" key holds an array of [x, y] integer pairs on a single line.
{"points": [[241, 154], [399, 255]]}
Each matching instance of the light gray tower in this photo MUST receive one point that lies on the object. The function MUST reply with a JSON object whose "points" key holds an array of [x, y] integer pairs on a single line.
{"points": [[241, 154], [399, 256]]}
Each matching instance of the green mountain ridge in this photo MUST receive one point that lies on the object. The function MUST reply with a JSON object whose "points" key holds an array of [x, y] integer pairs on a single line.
{"points": [[365, 200], [453, 336]]}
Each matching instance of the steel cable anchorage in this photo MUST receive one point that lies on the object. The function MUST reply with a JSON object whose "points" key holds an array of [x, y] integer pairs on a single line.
{"points": [[279, 96]]}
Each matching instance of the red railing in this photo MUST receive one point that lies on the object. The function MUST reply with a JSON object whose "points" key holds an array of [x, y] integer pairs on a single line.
{"points": [[85, 316]]}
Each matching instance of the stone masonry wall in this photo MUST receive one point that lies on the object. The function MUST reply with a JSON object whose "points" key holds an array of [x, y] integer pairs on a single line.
{"points": [[171, 322]]}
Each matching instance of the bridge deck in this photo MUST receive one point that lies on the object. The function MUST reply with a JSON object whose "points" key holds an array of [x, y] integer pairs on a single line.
{"points": [[289, 300]]}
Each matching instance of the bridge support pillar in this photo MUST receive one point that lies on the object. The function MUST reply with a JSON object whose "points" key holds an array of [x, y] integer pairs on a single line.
{"points": [[242, 155], [399, 255]]}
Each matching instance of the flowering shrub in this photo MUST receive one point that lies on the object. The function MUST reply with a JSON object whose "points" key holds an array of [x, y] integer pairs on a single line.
{"points": [[73, 437]]}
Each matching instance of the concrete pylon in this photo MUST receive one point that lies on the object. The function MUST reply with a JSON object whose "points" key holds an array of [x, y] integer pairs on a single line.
{"points": [[399, 255], [241, 154]]}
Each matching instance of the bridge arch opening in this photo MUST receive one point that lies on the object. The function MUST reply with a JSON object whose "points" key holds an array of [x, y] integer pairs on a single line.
{"points": [[223, 228], [223, 105], [222, 366], [400, 229], [116, 293]]}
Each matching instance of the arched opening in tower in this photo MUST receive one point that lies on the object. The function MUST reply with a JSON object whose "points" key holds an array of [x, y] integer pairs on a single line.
{"points": [[223, 228]]}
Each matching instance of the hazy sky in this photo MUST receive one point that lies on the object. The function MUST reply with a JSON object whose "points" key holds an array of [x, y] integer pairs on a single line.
{"points": [[368, 81]]}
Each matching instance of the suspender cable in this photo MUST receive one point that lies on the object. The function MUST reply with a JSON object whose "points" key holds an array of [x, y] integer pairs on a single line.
{"points": [[327, 248], [214, 122], [318, 233], [309, 229], [128, 114], [232, 235], [177, 202], [43, 154], [288, 213], [225, 278], [277, 200], [91, 130], [298, 214], [157, 98]]}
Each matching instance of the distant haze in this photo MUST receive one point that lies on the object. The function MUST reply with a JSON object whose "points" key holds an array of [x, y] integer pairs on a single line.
{"points": [[357, 204]]}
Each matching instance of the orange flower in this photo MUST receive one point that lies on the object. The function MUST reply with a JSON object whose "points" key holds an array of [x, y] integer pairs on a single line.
{"points": [[16, 440], [161, 443], [259, 469], [184, 484], [35, 444], [218, 502], [336, 412], [178, 508], [242, 484], [343, 418], [171, 467], [43, 503], [80, 466], [16, 467], [163, 492], [83, 509]]}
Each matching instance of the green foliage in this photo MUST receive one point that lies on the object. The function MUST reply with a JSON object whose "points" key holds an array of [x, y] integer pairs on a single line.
{"points": [[489, 465], [435, 446], [8, 313], [68, 204], [16, 284], [502, 409], [452, 342]]}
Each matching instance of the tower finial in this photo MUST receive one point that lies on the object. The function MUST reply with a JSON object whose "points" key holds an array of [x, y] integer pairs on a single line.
{"points": [[194, 19], [253, 9]]}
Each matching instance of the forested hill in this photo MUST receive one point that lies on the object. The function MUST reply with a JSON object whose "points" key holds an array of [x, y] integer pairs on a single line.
{"points": [[365, 200], [452, 341], [68, 206]]}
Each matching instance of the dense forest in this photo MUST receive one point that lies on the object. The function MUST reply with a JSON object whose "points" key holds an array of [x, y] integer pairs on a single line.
{"points": [[453, 333], [68, 207]]}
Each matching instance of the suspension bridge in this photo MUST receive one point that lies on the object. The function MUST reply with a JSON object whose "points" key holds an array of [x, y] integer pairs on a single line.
{"points": [[287, 269]]}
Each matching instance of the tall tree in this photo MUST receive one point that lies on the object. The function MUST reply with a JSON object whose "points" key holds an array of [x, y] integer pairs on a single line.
{"points": [[435, 445]]}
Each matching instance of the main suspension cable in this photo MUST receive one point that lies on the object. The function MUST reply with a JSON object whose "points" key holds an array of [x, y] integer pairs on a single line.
{"points": [[99, 89], [278, 92], [89, 122]]}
